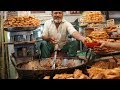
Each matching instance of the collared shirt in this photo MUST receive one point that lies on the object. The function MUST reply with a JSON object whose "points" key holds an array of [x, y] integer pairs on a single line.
{"points": [[64, 29]]}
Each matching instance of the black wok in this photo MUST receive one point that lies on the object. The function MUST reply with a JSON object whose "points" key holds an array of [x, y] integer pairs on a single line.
{"points": [[39, 74]]}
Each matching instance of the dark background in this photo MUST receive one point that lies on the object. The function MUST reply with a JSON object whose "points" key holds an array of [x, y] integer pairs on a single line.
{"points": [[103, 5]]}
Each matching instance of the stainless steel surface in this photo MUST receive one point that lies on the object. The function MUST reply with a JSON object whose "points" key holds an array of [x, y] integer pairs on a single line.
{"points": [[54, 59]]}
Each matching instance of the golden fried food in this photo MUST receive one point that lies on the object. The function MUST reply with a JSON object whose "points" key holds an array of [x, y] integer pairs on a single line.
{"points": [[117, 40], [112, 73], [93, 71], [63, 76], [111, 29], [99, 34], [99, 76], [83, 76], [92, 16], [88, 40], [101, 64], [46, 77], [77, 73], [21, 21]]}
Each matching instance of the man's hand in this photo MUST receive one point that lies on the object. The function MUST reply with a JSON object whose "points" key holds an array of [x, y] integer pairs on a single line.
{"points": [[53, 40], [102, 42]]}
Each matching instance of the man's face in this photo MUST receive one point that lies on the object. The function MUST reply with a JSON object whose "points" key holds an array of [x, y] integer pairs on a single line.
{"points": [[57, 16]]}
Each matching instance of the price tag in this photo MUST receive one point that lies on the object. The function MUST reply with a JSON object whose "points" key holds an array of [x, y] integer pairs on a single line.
{"points": [[118, 28], [110, 22]]}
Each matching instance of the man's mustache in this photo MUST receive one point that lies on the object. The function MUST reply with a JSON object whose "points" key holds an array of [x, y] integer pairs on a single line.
{"points": [[57, 17]]}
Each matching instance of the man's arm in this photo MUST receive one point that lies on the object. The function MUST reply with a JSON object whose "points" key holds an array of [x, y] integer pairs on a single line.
{"points": [[45, 31], [110, 44], [75, 33], [78, 36], [46, 38]]}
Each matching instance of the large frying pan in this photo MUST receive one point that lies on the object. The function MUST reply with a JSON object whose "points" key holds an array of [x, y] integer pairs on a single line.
{"points": [[39, 74]]}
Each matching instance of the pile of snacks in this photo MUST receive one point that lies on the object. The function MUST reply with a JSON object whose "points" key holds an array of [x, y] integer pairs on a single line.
{"points": [[77, 74], [99, 34], [22, 21], [92, 16]]}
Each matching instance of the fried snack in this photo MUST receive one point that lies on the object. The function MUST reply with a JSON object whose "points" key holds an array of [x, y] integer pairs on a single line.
{"points": [[103, 50], [46, 77], [110, 29], [118, 60], [58, 63], [77, 73], [112, 63], [93, 71], [99, 76], [99, 73], [63, 76], [92, 16], [83, 76], [31, 66], [21, 21], [101, 64], [112, 73], [70, 78], [117, 41], [88, 40], [46, 63], [99, 34], [110, 40]]}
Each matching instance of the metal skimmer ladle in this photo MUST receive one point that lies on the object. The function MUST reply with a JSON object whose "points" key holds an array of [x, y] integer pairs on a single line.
{"points": [[55, 56], [54, 59], [56, 48]]}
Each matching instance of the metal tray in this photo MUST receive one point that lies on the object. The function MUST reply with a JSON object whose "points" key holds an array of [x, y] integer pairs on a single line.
{"points": [[19, 29]]}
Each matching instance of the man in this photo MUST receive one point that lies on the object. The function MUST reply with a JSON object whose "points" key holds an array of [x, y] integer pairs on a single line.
{"points": [[55, 34]]}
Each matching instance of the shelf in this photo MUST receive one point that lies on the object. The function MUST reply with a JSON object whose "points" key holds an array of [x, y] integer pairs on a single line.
{"points": [[19, 29], [17, 43]]}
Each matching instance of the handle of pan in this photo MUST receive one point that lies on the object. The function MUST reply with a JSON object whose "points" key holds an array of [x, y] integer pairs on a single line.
{"points": [[90, 55]]}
